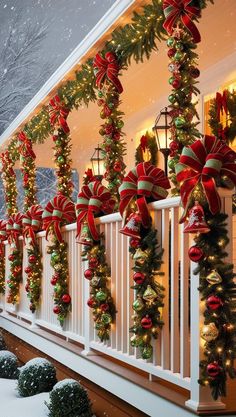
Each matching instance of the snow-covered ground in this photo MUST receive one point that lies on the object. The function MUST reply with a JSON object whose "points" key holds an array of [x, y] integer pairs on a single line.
{"points": [[11, 405]]}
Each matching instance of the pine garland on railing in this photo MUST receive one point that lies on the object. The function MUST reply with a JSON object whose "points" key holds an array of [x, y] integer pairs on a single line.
{"points": [[93, 200], [14, 230], [200, 170], [144, 183], [9, 183], [3, 237], [106, 71], [27, 164]]}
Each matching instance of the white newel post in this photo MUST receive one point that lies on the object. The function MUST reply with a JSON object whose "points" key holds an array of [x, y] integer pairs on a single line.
{"points": [[200, 397]]}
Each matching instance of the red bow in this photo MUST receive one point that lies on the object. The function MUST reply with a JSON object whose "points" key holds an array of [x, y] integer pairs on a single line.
{"points": [[203, 162], [221, 103], [92, 199], [144, 181], [3, 235], [58, 114], [181, 9], [144, 142], [14, 228], [107, 67], [32, 222], [25, 146], [58, 211]]}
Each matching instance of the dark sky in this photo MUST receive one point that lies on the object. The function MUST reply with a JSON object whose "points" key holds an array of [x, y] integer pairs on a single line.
{"points": [[67, 21]]}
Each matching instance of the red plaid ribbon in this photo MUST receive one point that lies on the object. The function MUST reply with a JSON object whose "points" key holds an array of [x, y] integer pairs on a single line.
{"points": [[32, 222], [107, 67]]}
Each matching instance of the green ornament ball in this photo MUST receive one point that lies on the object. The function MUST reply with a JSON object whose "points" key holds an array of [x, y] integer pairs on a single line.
{"points": [[101, 296], [147, 352], [61, 159], [120, 124], [99, 326], [106, 318], [179, 46], [171, 79], [138, 304], [172, 163], [170, 42], [58, 142], [136, 340], [55, 257], [100, 94], [180, 122], [178, 56], [172, 98]]}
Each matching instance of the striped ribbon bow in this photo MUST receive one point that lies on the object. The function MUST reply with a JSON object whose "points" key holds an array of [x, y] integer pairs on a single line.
{"points": [[14, 228], [144, 181], [107, 67], [201, 163], [3, 235], [92, 199], [58, 211], [58, 114], [183, 10], [25, 148], [32, 222]]}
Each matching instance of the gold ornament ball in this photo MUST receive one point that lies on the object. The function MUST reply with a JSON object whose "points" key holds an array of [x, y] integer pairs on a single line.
{"points": [[214, 278], [209, 332]]}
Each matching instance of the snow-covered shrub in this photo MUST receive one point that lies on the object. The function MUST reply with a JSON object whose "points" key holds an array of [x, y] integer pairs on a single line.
{"points": [[69, 398], [2, 342], [37, 375], [8, 365]]}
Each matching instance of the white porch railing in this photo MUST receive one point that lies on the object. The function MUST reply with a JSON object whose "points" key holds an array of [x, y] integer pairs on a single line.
{"points": [[180, 337]]}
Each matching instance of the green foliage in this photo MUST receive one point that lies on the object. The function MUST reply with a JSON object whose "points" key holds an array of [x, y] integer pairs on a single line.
{"points": [[69, 399], [222, 349], [8, 365], [215, 124], [151, 147], [2, 343], [36, 376]]}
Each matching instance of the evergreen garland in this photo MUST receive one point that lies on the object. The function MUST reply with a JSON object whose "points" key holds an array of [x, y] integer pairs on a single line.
{"points": [[9, 183], [34, 274], [225, 132], [149, 293], [62, 160], [217, 286], [150, 146], [100, 300], [27, 165]]}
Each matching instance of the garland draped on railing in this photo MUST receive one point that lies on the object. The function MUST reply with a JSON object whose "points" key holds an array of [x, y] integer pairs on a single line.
{"points": [[143, 184], [3, 237], [200, 171], [93, 200], [14, 230], [9, 183], [27, 164]]}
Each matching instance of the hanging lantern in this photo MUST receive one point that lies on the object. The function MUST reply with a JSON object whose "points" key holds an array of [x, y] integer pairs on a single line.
{"points": [[149, 294], [132, 227], [196, 222], [85, 236], [214, 278], [209, 332]]}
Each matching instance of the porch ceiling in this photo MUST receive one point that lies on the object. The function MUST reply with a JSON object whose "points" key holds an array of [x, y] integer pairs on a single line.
{"points": [[145, 83]]}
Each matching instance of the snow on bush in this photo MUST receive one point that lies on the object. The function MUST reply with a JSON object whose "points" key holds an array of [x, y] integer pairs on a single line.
{"points": [[36, 376], [69, 398], [8, 365]]}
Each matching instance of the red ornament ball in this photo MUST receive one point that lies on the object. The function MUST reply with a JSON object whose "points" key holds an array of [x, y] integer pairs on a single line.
{"points": [[56, 310], [11, 257], [194, 72], [93, 262], [28, 270], [134, 243], [66, 298], [195, 253], [176, 83], [213, 369], [32, 259], [146, 322], [104, 307], [171, 52], [117, 167], [214, 302], [53, 280], [139, 278], [88, 274], [91, 302], [116, 136]]}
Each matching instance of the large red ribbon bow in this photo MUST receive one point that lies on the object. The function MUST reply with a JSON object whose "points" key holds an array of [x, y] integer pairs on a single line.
{"points": [[107, 67], [92, 199], [32, 222], [58, 114], [14, 228], [3, 235], [144, 181], [202, 163], [60, 210], [25, 148], [175, 10], [221, 103]]}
